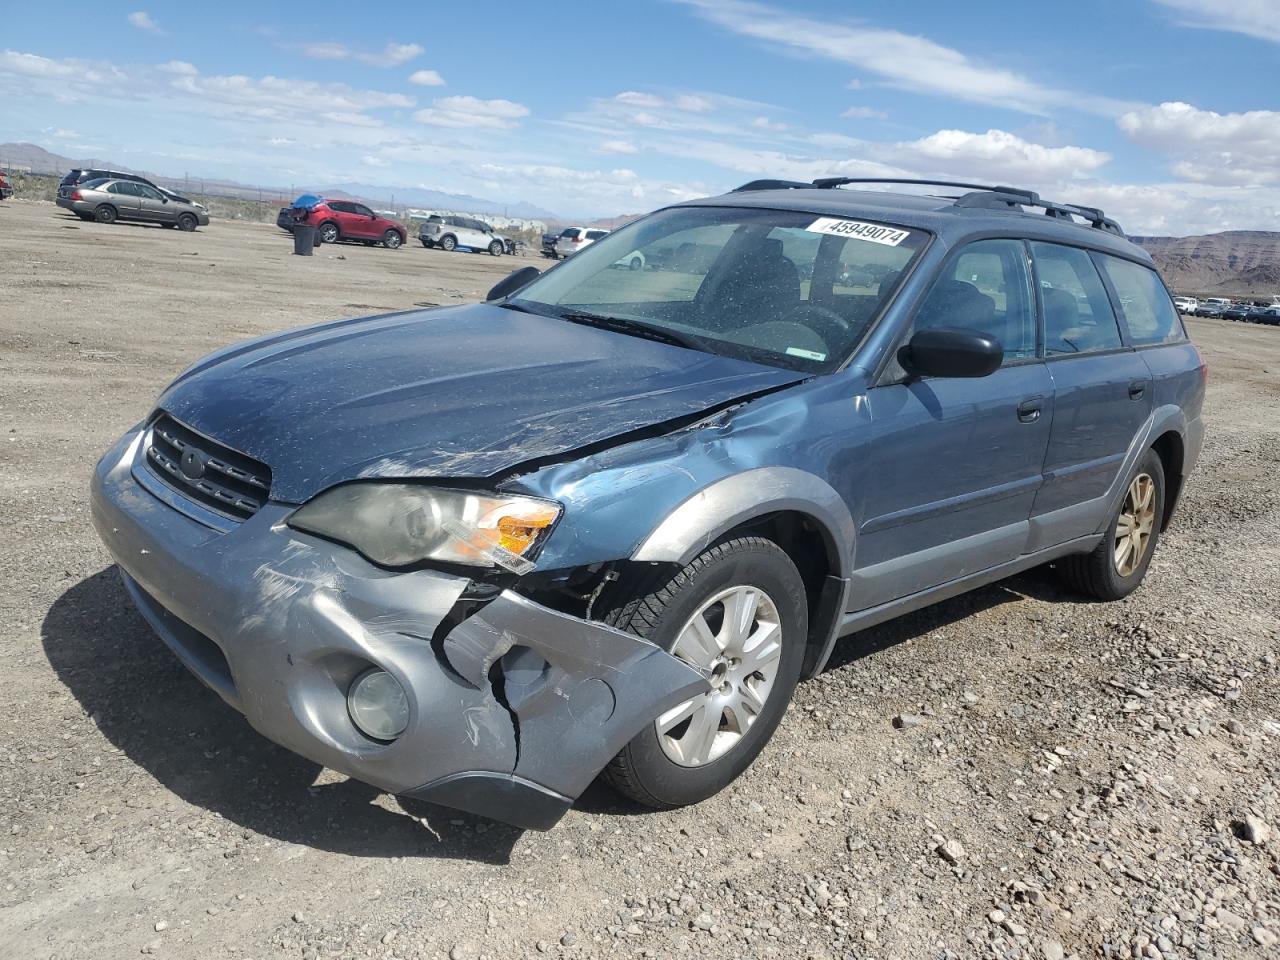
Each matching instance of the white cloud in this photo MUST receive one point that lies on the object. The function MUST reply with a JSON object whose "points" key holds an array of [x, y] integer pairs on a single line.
{"points": [[426, 78], [468, 112], [864, 113], [1211, 147], [392, 55], [372, 161], [618, 146], [1254, 18], [909, 62], [999, 155], [765, 123], [142, 20]]}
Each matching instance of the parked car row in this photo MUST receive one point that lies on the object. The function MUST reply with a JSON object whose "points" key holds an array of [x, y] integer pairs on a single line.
{"points": [[1221, 308]]}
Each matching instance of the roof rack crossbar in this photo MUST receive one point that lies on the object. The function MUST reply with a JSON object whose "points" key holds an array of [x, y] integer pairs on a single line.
{"points": [[980, 195]]}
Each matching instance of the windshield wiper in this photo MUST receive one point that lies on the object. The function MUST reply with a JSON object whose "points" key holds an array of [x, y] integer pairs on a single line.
{"points": [[635, 328]]}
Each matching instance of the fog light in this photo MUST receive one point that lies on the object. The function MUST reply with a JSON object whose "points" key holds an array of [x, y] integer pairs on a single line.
{"points": [[378, 705]]}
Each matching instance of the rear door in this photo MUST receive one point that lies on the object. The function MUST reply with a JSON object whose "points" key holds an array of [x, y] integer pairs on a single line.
{"points": [[1102, 395], [126, 197], [957, 461]]}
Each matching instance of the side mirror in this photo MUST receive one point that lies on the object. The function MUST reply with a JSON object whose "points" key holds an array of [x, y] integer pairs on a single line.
{"points": [[511, 283], [948, 352]]}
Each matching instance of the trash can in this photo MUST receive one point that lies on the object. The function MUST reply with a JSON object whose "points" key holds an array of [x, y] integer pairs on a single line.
{"points": [[305, 239]]}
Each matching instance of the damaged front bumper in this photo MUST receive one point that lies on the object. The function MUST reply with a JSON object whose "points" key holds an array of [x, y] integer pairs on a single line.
{"points": [[514, 708]]}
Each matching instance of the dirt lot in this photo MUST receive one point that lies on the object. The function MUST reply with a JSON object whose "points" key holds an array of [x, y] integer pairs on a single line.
{"points": [[1110, 773]]}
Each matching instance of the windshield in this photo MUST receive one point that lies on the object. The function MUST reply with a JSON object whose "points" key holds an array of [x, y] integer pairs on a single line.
{"points": [[790, 289]]}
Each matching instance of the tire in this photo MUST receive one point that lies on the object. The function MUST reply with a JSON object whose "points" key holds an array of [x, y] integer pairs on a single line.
{"points": [[635, 264], [427, 245], [1106, 573], [105, 213], [328, 232], [187, 223], [671, 769], [495, 248], [392, 240], [448, 242]]}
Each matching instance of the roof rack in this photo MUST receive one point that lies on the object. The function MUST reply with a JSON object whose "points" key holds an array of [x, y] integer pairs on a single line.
{"points": [[981, 196]]}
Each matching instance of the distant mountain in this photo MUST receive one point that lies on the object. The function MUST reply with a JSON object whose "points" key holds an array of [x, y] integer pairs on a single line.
{"points": [[438, 199], [1237, 263]]}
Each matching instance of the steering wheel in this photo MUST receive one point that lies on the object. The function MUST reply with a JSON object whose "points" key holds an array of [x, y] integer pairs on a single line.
{"points": [[825, 322]]}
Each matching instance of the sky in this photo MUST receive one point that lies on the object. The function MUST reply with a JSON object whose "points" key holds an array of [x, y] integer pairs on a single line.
{"points": [[1166, 113]]}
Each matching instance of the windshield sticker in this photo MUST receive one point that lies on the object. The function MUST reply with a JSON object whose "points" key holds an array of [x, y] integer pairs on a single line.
{"points": [[806, 354], [871, 232]]}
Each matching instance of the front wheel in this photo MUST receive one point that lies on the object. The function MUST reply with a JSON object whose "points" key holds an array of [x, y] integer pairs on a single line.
{"points": [[1116, 566], [392, 240], [427, 245], [738, 614], [495, 248], [186, 223]]}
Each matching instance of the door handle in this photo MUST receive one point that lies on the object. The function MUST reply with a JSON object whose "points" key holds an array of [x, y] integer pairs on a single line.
{"points": [[1029, 409], [1136, 389]]}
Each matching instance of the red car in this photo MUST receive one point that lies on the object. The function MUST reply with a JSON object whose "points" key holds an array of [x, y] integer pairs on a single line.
{"points": [[348, 220], [6, 191]]}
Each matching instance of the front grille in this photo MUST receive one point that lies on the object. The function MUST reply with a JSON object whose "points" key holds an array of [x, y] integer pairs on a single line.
{"points": [[207, 472]]}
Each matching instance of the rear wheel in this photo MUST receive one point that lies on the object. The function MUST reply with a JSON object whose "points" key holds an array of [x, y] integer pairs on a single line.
{"points": [[187, 222], [105, 213], [427, 245], [737, 613], [1116, 566], [328, 232], [392, 240], [448, 242], [495, 248]]}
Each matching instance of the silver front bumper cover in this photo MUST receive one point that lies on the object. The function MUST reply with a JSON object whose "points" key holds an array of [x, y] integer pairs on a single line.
{"points": [[514, 709]]}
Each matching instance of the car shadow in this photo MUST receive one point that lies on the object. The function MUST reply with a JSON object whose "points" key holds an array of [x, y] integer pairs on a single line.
{"points": [[147, 705], [1037, 584], [143, 224]]}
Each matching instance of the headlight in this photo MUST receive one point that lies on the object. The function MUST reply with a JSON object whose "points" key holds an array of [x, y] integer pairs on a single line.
{"points": [[397, 524]]}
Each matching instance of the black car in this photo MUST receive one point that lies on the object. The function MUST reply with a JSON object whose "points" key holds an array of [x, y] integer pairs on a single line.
{"points": [[1236, 312], [1207, 309], [1268, 316], [549, 245], [84, 174]]}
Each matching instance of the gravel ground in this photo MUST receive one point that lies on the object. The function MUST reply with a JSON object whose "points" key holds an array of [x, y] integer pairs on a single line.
{"points": [[1014, 773]]}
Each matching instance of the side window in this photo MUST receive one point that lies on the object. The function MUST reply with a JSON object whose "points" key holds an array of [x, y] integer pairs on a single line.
{"points": [[1144, 302], [1077, 311], [115, 187], [127, 188], [596, 234], [340, 206], [362, 210], [148, 193], [986, 288]]}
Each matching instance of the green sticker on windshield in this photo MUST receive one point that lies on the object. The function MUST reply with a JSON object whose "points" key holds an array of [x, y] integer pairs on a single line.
{"points": [[806, 354]]}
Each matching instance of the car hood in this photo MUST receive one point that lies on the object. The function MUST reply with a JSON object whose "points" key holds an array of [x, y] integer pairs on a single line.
{"points": [[457, 392]]}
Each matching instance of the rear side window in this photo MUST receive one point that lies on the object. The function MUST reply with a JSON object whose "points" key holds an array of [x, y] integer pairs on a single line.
{"points": [[1144, 302], [987, 289], [1077, 311], [596, 234]]}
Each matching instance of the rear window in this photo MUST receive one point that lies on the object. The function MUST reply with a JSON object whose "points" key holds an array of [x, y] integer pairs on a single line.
{"points": [[569, 233], [1145, 306]]}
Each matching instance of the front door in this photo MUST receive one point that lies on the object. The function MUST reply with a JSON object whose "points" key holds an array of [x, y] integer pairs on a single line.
{"points": [[957, 462], [154, 206]]}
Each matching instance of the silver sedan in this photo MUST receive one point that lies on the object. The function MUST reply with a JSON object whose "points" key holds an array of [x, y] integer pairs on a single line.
{"points": [[110, 200]]}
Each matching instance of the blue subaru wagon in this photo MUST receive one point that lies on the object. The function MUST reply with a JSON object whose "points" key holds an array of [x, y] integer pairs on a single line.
{"points": [[604, 522]]}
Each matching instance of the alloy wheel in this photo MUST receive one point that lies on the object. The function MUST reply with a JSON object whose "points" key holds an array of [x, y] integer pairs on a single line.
{"points": [[1135, 524], [735, 639]]}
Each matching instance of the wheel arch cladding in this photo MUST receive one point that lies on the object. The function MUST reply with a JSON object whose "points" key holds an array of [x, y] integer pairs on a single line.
{"points": [[797, 510], [1172, 451]]}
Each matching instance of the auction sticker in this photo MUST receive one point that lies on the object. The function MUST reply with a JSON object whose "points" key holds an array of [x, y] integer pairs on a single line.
{"points": [[871, 232]]}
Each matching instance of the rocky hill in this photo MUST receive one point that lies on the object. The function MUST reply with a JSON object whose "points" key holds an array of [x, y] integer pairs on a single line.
{"points": [[1236, 263]]}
